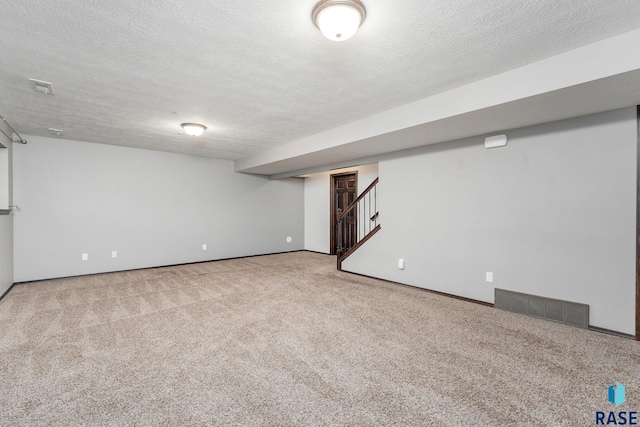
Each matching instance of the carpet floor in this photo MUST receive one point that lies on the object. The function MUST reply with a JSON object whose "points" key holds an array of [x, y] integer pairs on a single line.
{"points": [[285, 340]]}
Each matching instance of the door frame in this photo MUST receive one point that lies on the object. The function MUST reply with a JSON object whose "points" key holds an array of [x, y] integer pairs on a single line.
{"points": [[332, 207], [638, 226]]}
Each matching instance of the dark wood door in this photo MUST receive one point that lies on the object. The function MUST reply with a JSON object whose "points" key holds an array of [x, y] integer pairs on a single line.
{"points": [[344, 190]]}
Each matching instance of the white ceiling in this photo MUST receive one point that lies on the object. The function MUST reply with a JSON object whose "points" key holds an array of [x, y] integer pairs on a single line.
{"points": [[258, 73]]}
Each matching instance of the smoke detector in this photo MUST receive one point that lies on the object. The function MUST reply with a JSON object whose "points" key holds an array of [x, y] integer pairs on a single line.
{"points": [[42, 87]]}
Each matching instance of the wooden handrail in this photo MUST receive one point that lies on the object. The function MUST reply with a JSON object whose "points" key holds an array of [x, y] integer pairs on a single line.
{"points": [[352, 204], [344, 256]]}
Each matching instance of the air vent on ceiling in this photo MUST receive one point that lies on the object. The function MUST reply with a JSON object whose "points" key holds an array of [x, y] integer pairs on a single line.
{"points": [[42, 87]]}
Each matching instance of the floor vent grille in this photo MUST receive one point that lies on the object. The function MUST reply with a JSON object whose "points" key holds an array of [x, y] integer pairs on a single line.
{"points": [[568, 312]]}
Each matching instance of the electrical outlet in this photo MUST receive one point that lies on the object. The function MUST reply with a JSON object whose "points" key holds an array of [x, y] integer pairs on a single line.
{"points": [[401, 264], [114, 254], [489, 276], [85, 257], [204, 246]]}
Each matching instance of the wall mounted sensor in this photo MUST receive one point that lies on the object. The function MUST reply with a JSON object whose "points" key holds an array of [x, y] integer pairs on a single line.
{"points": [[495, 141]]}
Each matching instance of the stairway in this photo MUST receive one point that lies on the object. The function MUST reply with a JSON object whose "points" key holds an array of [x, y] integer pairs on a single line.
{"points": [[357, 223]]}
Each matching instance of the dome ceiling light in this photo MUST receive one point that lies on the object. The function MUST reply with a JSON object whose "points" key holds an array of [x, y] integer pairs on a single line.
{"points": [[193, 129], [338, 20]]}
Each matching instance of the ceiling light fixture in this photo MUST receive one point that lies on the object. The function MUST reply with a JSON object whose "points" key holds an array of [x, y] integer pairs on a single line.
{"points": [[193, 129], [495, 141], [338, 19]]}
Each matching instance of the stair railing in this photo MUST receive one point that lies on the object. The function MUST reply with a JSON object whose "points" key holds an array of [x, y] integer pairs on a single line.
{"points": [[357, 222]]}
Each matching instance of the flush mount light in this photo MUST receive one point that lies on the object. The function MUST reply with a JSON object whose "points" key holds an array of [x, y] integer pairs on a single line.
{"points": [[338, 19], [193, 129], [495, 141]]}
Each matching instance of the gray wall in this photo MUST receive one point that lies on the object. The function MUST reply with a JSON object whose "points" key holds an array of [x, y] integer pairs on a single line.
{"points": [[552, 214], [153, 208], [6, 222], [317, 188]]}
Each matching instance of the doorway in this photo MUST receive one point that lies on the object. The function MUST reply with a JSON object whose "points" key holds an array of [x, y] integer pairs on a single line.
{"points": [[344, 190]]}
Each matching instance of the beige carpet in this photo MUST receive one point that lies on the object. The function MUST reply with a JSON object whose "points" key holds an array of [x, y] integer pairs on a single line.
{"points": [[288, 340]]}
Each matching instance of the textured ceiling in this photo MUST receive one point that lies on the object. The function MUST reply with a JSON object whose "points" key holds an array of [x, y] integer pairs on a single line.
{"points": [[258, 73]]}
